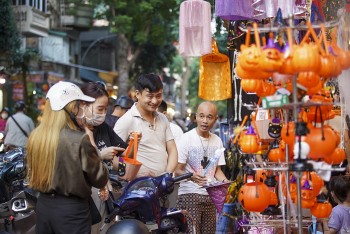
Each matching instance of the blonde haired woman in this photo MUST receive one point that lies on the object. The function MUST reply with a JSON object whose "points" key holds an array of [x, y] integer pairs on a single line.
{"points": [[62, 164]]}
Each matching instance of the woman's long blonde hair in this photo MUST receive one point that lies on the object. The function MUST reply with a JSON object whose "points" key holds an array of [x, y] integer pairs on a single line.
{"points": [[42, 145]]}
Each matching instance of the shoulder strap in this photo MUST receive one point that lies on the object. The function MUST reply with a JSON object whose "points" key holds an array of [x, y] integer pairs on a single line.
{"points": [[24, 132]]}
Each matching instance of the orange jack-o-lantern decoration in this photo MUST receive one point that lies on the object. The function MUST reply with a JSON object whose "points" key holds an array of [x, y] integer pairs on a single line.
{"points": [[306, 58], [254, 196], [288, 136], [251, 85], [321, 113], [268, 89], [277, 155], [315, 180], [287, 62], [251, 74], [260, 175], [322, 142], [271, 60], [308, 198], [248, 142], [337, 157], [249, 57], [308, 79], [273, 199], [316, 89], [321, 210], [342, 56]]}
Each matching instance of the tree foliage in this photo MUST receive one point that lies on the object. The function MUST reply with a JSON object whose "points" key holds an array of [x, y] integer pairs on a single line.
{"points": [[145, 28], [9, 35]]}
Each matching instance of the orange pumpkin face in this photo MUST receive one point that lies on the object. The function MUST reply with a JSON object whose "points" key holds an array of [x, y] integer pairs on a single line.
{"points": [[321, 210], [308, 79], [277, 155], [251, 85], [321, 145], [337, 157], [248, 143], [254, 196], [306, 58], [316, 182], [270, 60], [249, 57]]}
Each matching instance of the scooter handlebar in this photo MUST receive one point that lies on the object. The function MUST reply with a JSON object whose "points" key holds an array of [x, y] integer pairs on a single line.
{"points": [[183, 177], [112, 215]]}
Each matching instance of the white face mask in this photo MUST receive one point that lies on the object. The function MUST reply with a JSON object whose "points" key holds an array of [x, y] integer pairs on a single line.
{"points": [[95, 119], [4, 115]]}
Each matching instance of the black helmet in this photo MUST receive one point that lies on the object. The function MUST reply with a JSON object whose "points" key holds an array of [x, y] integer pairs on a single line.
{"points": [[124, 102], [128, 226], [20, 105]]}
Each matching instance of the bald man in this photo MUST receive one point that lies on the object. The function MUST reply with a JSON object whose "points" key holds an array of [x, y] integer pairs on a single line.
{"points": [[195, 149]]}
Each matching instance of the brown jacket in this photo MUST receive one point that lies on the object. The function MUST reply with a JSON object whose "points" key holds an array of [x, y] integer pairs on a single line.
{"points": [[78, 166]]}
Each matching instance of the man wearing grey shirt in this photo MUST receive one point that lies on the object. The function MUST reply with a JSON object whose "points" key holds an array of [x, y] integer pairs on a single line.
{"points": [[14, 136]]}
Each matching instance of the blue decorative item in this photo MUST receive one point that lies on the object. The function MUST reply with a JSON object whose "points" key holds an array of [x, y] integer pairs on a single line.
{"points": [[224, 224], [279, 18]]}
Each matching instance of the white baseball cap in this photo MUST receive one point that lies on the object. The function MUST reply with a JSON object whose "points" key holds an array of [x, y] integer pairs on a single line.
{"points": [[62, 93]]}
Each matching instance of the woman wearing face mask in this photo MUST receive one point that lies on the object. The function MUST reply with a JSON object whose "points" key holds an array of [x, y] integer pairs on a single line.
{"points": [[4, 116], [63, 165], [101, 135], [105, 140]]}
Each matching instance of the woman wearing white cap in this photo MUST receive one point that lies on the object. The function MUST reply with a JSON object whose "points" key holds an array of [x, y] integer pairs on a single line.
{"points": [[62, 164]]}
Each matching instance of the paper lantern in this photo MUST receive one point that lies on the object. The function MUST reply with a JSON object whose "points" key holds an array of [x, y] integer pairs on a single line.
{"points": [[254, 196], [233, 9], [214, 76], [194, 28]]}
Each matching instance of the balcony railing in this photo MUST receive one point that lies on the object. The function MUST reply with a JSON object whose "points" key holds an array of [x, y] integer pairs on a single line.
{"points": [[31, 22], [79, 18]]}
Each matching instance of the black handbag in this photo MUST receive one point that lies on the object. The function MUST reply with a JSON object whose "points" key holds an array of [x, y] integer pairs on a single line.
{"points": [[95, 214]]}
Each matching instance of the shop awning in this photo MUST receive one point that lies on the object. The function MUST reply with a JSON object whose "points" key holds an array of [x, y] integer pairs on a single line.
{"points": [[91, 76]]}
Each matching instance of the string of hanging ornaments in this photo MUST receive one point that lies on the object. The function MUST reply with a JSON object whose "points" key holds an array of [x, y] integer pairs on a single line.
{"points": [[286, 147]]}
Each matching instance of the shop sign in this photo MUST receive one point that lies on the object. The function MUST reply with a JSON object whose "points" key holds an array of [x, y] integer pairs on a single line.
{"points": [[53, 77], [36, 77], [17, 91]]}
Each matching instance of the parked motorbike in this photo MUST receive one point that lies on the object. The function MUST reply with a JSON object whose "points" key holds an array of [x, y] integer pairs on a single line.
{"points": [[141, 200], [17, 202]]}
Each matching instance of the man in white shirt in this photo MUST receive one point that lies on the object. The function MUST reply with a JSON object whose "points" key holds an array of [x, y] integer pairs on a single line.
{"points": [[157, 149], [175, 129], [18, 127], [196, 148]]}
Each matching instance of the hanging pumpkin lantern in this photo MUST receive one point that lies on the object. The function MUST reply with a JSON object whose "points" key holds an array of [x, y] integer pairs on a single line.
{"points": [[315, 89], [277, 155], [268, 89], [250, 74], [316, 180], [287, 65], [254, 196], [251, 85], [321, 210], [271, 60], [248, 142], [308, 79], [337, 157], [322, 142], [288, 136], [273, 208], [307, 195]]}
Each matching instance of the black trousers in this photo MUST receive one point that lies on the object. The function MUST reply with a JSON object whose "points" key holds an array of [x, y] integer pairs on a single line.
{"points": [[58, 214]]}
